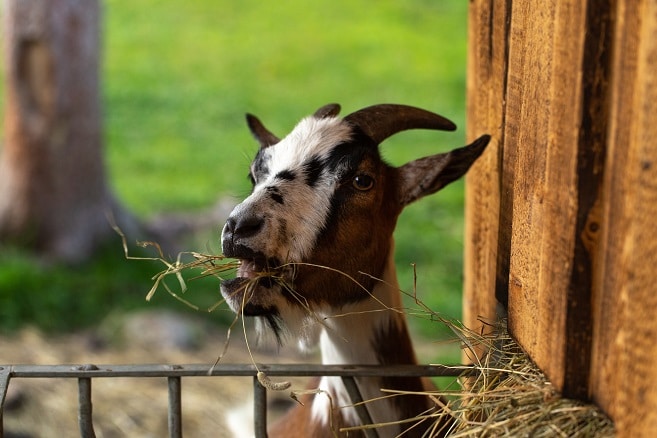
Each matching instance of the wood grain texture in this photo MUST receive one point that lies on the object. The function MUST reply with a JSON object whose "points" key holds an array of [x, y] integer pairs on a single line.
{"points": [[486, 195], [558, 99], [543, 122], [624, 359], [569, 91]]}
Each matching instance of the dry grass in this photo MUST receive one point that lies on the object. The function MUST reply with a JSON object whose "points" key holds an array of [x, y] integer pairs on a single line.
{"points": [[504, 394], [509, 396], [209, 264]]}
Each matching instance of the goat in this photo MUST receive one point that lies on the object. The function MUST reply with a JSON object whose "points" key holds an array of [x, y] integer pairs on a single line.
{"points": [[323, 209]]}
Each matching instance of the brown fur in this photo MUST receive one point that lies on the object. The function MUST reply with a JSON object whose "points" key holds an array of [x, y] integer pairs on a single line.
{"points": [[297, 422], [356, 245], [395, 348], [358, 241]]}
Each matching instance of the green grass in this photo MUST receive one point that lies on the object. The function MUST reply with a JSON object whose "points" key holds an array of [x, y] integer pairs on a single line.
{"points": [[64, 298], [178, 78]]}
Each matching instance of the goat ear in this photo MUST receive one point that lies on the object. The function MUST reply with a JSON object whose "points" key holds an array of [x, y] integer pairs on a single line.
{"points": [[429, 174], [330, 110], [262, 134]]}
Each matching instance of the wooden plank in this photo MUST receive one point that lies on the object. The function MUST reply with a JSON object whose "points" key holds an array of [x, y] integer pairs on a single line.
{"points": [[543, 122], [591, 154], [487, 63], [624, 370], [571, 211]]}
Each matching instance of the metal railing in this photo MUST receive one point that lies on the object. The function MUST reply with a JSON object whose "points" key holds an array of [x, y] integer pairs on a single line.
{"points": [[174, 374]]}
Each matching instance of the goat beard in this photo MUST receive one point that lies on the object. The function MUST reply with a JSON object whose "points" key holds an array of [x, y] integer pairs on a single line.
{"points": [[256, 298], [277, 310]]}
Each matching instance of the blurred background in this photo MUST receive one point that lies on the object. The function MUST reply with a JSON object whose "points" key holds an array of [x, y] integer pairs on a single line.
{"points": [[175, 81], [176, 78]]}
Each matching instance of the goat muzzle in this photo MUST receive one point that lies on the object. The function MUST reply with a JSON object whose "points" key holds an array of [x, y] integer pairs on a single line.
{"points": [[255, 280]]}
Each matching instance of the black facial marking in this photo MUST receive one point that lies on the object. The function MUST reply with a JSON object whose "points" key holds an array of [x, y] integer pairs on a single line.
{"points": [[286, 175], [277, 198], [344, 162], [259, 166], [349, 155], [275, 194], [312, 169]]}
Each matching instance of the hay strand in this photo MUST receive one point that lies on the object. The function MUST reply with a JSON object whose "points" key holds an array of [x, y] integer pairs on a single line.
{"points": [[504, 394], [509, 396]]}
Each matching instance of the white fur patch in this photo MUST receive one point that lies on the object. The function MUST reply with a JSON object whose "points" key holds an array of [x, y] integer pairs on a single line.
{"points": [[240, 420], [305, 208], [348, 340]]}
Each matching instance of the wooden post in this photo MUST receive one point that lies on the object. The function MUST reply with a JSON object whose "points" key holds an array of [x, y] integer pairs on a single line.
{"points": [[624, 358], [487, 200], [559, 215]]}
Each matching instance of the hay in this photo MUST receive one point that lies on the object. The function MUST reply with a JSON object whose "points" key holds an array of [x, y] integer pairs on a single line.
{"points": [[504, 394], [209, 265], [509, 396], [216, 265]]}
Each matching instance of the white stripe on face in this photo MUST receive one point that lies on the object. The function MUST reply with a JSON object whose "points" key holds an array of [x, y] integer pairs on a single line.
{"points": [[295, 212]]}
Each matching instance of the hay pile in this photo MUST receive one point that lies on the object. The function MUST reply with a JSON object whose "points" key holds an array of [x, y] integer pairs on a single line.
{"points": [[509, 396]]}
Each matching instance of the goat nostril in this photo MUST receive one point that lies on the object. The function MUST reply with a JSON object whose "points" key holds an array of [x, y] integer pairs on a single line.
{"points": [[244, 226], [230, 225]]}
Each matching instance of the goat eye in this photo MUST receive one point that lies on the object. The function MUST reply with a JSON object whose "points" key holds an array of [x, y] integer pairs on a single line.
{"points": [[363, 182]]}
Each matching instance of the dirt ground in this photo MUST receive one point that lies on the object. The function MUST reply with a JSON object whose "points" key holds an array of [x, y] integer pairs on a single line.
{"points": [[137, 407], [129, 407]]}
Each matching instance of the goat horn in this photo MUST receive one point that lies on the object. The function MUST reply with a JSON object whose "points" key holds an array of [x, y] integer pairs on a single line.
{"points": [[381, 121], [330, 110], [262, 134]]}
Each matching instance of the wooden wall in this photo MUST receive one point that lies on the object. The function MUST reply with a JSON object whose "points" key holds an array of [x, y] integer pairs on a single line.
{"points": [[561, 211]]}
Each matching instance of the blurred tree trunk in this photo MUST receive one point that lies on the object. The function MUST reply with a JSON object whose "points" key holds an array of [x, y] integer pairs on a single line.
{"points": [[53, 193]]}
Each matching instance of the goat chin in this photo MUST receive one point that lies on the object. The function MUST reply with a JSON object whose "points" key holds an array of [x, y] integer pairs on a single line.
{"points": [[299, 325]]}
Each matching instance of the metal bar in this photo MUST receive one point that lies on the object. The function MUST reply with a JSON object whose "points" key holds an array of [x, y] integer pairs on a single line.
{"points": [[85, 420], [259, 409], [85, 373], [357, 400], [175, 407], [5, 375], [190, 370]]}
